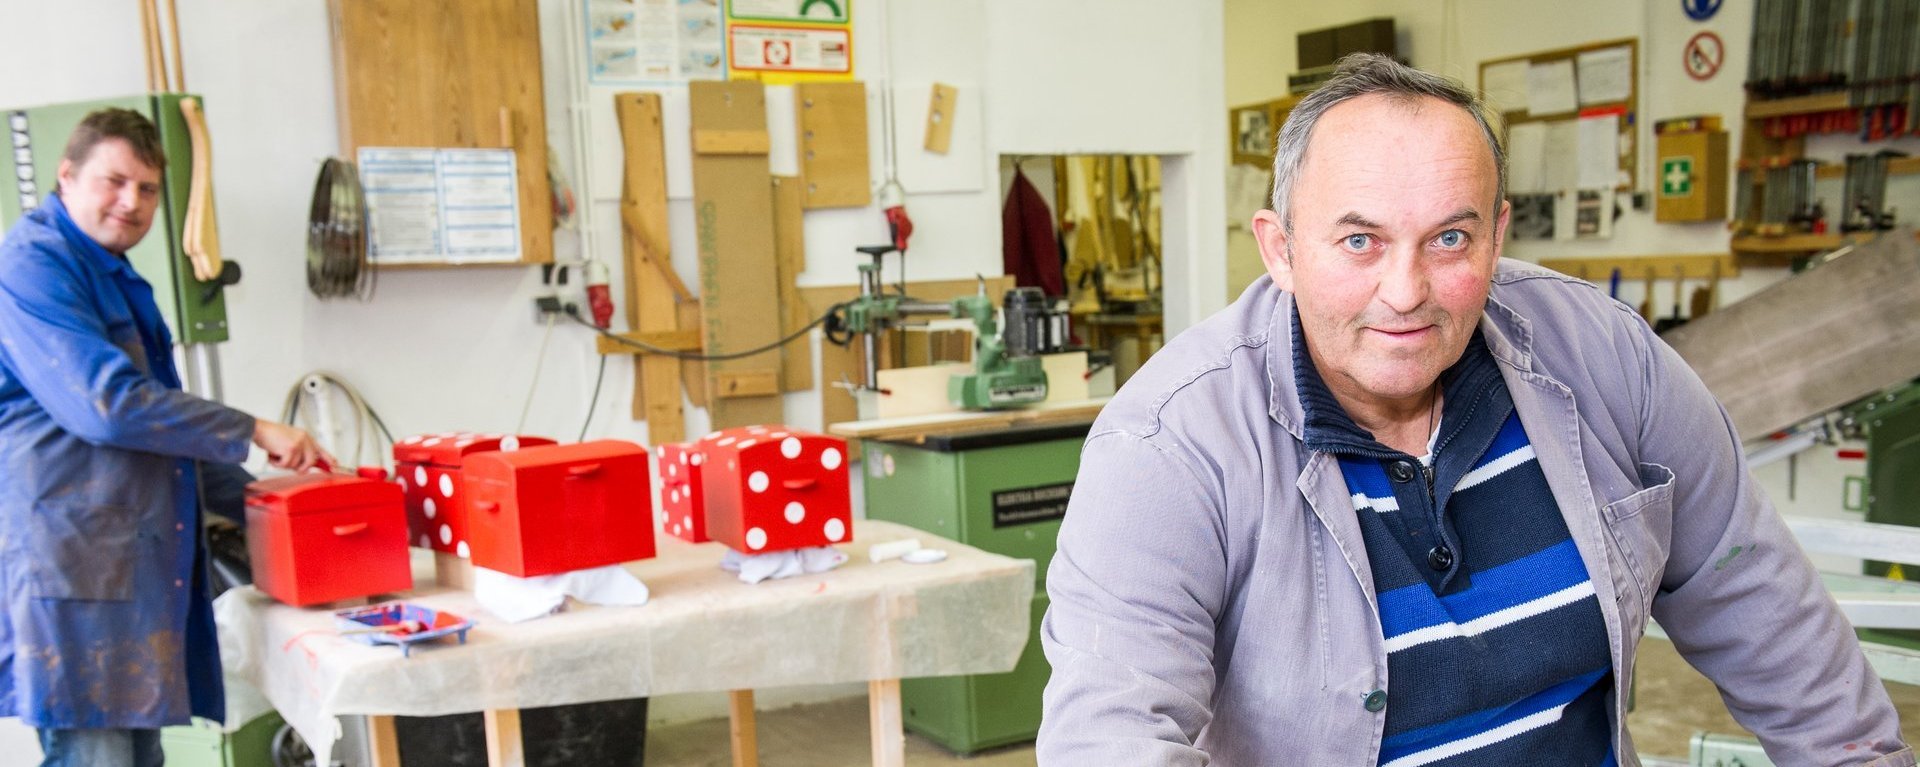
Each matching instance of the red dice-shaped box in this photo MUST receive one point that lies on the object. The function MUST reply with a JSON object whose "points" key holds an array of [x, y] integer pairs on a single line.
{"points": [[558, 508], [770, 488], [683, 511], [427, 467]]}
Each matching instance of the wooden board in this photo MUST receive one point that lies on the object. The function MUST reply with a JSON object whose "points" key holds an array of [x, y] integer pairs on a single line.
{"points": [[790, 259], [1813, 342], [733, 212], [443, 73], [919, 427], [940, 108], [654, 292], [832, 120], [1599, 270]]}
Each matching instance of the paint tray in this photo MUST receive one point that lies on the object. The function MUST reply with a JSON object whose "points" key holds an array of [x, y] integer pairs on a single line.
{"points": [[434, 625]]}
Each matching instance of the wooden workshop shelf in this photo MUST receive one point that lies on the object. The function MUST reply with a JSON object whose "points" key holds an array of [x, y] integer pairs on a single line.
{"points": [[1898, 166], [1792, 243], [1799, 105]]}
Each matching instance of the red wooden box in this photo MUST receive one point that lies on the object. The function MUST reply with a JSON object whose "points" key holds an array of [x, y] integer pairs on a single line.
{"points": [[556, 508], [683, 513], [316, 538], [428, 469], [769, 488]]}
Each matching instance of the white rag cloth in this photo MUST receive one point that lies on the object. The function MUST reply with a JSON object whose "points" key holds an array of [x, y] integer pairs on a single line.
{"points": [[514, 599], [754, 568]]}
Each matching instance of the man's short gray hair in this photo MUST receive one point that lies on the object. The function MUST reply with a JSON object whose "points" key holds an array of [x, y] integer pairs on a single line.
{"points": [[1365, 74]]}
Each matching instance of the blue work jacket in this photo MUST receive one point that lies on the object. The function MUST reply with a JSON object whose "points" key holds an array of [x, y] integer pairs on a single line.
{"points": [[106, 619]]}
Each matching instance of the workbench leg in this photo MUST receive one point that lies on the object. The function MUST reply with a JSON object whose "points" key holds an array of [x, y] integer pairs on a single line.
{"points": [[503, 738], [746, 743], [883, 714], [382, 743]]}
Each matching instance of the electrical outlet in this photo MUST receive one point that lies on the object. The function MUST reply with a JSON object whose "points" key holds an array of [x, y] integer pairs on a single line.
{"points": [[546, 309]]}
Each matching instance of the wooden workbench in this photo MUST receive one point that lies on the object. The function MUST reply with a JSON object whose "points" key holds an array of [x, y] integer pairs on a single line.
{"points": [[703, 630]]}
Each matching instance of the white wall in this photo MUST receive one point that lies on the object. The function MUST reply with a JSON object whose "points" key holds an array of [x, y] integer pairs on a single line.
{"points": [[456, 349]]}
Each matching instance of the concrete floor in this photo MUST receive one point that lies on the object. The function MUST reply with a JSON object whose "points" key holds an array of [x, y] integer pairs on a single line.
{"points": [[1674, 702]]}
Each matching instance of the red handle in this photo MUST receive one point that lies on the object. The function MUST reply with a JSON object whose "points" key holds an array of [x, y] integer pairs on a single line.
{"points": [[802, 483], [345, 530], [487, 505], [583, 469]]}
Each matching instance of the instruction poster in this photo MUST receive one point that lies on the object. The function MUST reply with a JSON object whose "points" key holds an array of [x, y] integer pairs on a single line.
{"points": [[457, 206], [653, 41], [788, 41]]}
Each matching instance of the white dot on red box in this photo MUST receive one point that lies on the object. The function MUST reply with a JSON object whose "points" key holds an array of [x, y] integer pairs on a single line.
{"points": [[835, 529], [795, 512], [446, 535], [790, 447], [428, 507], [446, 485], [757, 482], [756, 539], [830, 458]]}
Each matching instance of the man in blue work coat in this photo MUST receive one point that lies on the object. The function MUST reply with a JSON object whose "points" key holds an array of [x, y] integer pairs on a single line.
{"points": [[106, 631]]}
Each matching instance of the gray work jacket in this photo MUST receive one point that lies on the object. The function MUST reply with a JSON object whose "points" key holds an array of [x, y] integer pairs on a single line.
{"points": [[1212, 602]]}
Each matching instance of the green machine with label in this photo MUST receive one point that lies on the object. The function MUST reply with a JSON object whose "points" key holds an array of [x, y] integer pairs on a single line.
{"points": [[1890, 423], [195, 310], [1002, 491]]}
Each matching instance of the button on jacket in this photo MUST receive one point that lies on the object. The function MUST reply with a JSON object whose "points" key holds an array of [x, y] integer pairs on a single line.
{"points": [[1212, 601]]}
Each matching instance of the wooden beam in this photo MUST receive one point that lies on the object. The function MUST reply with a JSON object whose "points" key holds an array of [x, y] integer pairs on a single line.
{"points": [[671, 340], [883, 718], [504, 747], [790, 259], [750, 383], [655, 294], [383, 745], [741, 729], [731, 142]]}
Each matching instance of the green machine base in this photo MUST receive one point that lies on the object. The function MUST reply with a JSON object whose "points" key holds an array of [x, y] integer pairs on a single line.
{"points": [[1892, 424], [204, 744], [1001, 491]]}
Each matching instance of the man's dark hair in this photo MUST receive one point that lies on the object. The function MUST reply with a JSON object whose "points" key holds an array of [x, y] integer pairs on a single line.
{"points": [[115, 123]]}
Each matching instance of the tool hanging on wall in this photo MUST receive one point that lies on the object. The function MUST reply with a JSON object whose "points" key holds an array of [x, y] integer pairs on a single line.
{"points": [[199, 236], [337, 235], [1866, 208]]}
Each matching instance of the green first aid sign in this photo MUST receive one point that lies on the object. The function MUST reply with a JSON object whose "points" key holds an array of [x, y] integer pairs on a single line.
{"points": [[1676, 177]]}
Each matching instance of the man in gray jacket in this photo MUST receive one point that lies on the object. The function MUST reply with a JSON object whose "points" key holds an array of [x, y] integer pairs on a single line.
{"points": [[1405, 503]]}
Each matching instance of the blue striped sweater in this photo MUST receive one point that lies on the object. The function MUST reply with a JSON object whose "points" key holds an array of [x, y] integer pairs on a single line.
{"points": [[1496, 649]]}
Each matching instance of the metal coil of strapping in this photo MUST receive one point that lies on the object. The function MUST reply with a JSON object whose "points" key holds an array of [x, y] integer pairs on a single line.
{"points": [[337, 235]]}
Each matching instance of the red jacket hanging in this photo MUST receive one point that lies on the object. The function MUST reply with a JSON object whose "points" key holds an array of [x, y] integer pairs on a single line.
{"points": [[1029, 251]]}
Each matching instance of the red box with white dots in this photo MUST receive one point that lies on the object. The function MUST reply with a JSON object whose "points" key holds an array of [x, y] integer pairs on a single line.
{"points": [[770, 488], [559, 508], [427, 466], [683, 511]]}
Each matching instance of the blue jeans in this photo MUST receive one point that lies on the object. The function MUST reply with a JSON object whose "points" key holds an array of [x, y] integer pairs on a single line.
{"points": [[101, 748]]}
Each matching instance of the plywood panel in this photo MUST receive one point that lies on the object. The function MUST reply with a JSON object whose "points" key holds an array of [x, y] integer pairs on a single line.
{"points": [[448, 73], [790, 257], [733, 212], [832, 120]]}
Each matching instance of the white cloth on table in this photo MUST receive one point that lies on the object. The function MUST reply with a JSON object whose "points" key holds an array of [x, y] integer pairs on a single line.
{"points": [[514, 599], [754, 568]]}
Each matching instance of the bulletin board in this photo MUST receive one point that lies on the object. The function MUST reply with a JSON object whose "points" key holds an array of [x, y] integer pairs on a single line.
{"points": [[1252, 129], [1569, 103]]}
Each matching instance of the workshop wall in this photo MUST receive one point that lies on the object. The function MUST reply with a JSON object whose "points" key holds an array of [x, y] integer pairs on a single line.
{"points": [[1452, 38], [458, 348]]}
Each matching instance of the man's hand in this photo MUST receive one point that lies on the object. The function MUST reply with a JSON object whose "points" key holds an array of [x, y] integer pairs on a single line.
{"points": [[288, 447]]}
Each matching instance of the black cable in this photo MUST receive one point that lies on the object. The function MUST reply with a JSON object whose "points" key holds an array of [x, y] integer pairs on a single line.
{"points": [[573, 313], [594, 402]]}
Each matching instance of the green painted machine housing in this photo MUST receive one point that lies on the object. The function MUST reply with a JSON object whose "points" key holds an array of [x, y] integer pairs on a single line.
{"points": [[1892, 425], [947, 486], [205, 744], [194, 312]]}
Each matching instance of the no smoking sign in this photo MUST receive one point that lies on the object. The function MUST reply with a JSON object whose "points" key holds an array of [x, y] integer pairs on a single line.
{"points": [[1703, 56]]}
